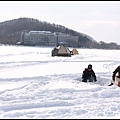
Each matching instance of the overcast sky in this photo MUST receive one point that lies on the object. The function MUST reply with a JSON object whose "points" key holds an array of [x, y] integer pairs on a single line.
{"points": [[99, 19]]}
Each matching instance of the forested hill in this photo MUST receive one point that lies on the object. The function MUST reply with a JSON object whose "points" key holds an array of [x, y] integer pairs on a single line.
{"points": [[10, 32]]}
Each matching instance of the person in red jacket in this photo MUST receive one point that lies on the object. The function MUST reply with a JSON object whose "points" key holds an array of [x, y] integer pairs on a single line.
{"points": [[115, 76], [89, 75]]}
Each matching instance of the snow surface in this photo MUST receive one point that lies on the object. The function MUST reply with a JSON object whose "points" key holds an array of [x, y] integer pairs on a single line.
{"points": [[33, 84]]}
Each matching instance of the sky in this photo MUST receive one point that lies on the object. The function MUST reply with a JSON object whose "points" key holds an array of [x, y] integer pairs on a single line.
{"points": [[35, 85], [98, 19]]}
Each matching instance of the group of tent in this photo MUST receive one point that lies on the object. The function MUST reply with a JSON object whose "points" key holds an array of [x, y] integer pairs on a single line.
{"points": [[63, 51]]}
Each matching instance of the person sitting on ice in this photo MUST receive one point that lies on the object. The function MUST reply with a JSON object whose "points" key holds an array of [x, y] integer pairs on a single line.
{"points": [[115, 77], [89, 75]]}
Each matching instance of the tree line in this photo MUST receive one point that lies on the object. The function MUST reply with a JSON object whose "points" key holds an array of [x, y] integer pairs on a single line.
{"points": [[10, 33]]}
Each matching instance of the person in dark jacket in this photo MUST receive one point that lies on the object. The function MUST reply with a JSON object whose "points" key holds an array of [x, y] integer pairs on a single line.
{"points": [[89, 75], [115, 76]]}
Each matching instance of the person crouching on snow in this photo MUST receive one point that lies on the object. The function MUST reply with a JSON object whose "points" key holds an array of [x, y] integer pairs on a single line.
{"points": [[89, 75], [115, 77]]}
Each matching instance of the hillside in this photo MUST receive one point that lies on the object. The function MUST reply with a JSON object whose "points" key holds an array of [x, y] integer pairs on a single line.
{"points": [[10, 32]]}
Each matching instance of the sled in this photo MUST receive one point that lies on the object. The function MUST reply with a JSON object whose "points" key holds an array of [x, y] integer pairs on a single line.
{"points": [[117, 81], [119, 84]]}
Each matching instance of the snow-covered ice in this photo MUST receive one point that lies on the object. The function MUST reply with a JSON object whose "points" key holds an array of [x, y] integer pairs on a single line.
{"points": [[33, 84]]}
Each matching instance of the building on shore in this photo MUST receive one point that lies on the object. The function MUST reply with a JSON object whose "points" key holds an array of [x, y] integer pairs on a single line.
{"points": [[47, 38]]}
